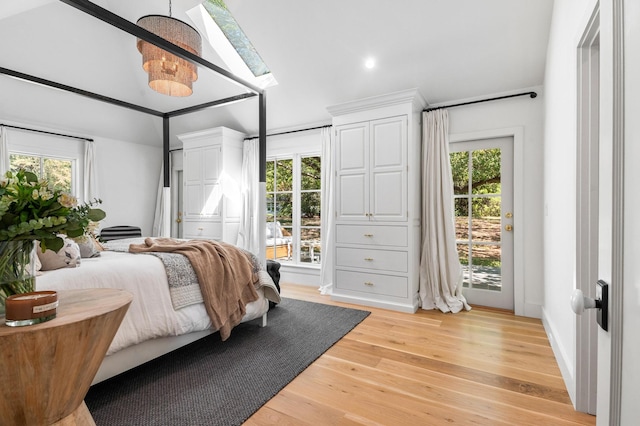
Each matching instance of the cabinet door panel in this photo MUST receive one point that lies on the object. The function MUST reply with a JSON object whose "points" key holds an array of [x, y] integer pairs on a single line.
{"points": [[212, 199], [211, 164], [352, 147], [192, 166], [389, 142], [352, 202], [352, 172], [193, 200], [388, 199]]}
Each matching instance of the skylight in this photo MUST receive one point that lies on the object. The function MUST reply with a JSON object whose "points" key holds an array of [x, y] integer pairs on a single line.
{"points": [[219, 28]]}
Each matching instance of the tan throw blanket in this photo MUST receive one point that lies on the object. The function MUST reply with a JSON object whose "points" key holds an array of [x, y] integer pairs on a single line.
{"points": [[225, 273]]}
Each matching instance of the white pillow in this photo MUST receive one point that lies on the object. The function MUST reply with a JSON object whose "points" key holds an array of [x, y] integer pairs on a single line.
{"points": [[88, 246], [67, 257]]}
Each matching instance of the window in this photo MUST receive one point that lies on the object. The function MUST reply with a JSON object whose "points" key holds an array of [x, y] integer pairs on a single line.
{"points": [[293, 209], [58, 171], [219, 28]]}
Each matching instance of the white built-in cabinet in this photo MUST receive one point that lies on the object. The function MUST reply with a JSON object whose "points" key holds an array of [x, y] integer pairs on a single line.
{"points": [[377, 201], [212, 164]]}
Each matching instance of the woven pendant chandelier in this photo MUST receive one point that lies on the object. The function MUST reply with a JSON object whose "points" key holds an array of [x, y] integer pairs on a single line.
{"points": [[169, 74]]}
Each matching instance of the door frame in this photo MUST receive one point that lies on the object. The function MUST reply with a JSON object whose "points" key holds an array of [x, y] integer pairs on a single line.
{"points": [[587, 205], [517, 134], [612, 128]]}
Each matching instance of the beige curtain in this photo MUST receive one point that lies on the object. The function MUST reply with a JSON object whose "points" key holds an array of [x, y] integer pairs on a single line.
{"points": [[249, 232], [90, 187], [440, 269], [4, 151]]}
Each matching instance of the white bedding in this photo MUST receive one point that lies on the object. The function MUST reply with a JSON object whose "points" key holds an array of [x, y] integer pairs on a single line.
{"points": [[151, 313]]}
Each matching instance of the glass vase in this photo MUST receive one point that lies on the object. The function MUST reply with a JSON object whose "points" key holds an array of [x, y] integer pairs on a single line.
{"points": [[17, 272]]}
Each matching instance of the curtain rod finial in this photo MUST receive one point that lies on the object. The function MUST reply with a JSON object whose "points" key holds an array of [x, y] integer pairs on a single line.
{"points": [[533, 95]]}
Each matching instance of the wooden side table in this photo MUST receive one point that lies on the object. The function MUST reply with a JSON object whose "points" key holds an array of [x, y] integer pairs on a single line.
{"points": [[46, 369]]}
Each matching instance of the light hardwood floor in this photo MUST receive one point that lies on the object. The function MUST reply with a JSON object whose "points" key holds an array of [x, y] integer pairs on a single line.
{"points": [[482, 367]]}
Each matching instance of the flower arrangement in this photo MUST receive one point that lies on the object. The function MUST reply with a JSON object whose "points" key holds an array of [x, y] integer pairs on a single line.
{"points": [[31, 210]]}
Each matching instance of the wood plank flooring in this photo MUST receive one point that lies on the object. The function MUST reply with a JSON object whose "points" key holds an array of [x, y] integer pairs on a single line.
{"points": [[482, 367]]}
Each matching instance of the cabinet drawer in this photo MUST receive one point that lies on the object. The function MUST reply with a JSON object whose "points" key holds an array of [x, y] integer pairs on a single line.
{"points": [[381, 260], [377, 284], [378, 235], [202, 230]]}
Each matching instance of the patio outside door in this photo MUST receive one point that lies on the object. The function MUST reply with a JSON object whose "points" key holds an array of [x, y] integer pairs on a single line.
{"points": [[483, 201]]}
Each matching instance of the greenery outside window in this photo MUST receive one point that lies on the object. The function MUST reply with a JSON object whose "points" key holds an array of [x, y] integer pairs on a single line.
{"points": [[293, 209], [58, 171]]}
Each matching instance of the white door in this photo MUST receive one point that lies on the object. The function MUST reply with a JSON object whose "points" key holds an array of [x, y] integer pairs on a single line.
{"points": [[483, 201]]}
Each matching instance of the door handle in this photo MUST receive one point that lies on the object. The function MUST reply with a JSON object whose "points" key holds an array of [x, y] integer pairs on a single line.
{"points": [[579, 302]]}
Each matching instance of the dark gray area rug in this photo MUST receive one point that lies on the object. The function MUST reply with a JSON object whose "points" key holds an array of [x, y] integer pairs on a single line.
{"points": [[211, 382]]}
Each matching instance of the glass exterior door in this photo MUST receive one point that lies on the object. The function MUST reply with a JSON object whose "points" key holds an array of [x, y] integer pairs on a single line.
{"points": [[483, 203]]}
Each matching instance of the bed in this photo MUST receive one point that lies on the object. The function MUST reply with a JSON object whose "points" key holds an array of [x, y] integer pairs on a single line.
{"points": [[151, 327]]}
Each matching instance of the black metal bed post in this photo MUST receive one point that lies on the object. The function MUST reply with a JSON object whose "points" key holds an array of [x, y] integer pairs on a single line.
{"points": [[262, 136], [165, 151], [262, 178]]}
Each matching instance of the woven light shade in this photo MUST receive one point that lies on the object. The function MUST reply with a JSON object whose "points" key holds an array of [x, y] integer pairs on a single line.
{"points": [[169, 74]]}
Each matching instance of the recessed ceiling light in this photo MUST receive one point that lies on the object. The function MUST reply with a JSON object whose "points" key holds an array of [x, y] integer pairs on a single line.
{"points": [[369, 63]]}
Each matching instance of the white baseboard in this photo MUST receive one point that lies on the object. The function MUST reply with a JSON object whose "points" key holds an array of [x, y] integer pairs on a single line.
{"points": [[532, 310], [300, 275], [564, 363]]}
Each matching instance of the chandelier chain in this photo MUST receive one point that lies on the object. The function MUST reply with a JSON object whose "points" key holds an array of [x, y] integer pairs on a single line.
{"points": [[170, 8]]}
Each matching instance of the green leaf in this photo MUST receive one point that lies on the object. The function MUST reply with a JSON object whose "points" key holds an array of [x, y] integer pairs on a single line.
{"points": [[96, 215], [54, 244]]}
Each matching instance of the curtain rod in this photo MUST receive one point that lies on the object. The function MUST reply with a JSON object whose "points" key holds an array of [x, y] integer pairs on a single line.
{"points": [[275, 134], [46, 132], [530, 94]]}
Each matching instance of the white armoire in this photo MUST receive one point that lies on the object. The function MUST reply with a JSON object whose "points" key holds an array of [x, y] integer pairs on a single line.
{"points": [[212, 167], [377, 200]]}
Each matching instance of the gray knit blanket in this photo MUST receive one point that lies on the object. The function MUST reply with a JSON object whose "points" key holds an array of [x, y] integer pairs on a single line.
{"points": [[184, 288]]}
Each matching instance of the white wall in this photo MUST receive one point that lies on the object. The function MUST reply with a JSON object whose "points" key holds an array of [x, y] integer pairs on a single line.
{"points": [[128, 179], [467, 122], [560, 106]]}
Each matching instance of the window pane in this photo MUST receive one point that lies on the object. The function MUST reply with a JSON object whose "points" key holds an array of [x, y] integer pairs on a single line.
{"points": [[284, 210], [270, 177], [29, 163], [270, 207], [311, 173], [485, 228], [461, 206], [460, 171], [486, 171], [486, 267], [310, 207], [284, 175], [58, 173], [310, 245]]}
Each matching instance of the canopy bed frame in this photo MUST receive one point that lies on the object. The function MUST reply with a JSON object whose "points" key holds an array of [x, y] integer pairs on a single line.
{"points": [[124, 25], [134, 355]]}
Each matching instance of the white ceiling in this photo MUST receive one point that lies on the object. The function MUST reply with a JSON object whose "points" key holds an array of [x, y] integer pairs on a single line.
{"points": [[450, 50]]}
